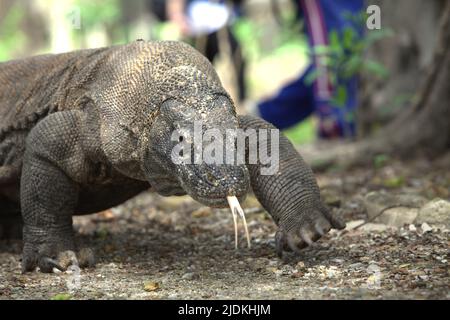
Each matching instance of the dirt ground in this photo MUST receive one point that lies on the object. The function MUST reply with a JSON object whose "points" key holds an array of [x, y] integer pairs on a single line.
{"points": [[173, 248]]}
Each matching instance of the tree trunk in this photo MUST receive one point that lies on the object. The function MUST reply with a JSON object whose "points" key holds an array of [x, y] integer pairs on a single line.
{"points": [[422, 127], [406, 54]]}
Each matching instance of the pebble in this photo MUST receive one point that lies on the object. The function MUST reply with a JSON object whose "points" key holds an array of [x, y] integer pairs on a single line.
{"points": [[425, 227], [273, 262], [337, 260], [435, 212], [189, 276], [356, 265]]}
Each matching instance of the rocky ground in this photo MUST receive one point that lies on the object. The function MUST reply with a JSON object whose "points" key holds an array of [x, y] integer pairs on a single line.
{"points": [[172, 248]]}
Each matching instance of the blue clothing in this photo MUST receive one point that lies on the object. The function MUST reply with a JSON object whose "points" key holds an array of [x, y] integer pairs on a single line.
{"points": [[298, 100]]}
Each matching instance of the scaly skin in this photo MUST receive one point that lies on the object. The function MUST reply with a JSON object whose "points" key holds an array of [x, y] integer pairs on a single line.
{"points": [[81, 132]]}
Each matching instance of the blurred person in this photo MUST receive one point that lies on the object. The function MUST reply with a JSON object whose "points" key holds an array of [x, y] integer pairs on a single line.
{"points": [[201, 20], [299, 99]]}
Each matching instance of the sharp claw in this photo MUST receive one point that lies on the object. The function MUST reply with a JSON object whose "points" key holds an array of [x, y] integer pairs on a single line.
{"points": [[304, 234], [319, 230], [67, 258], [53, 263], [279, 243], [292, 244]]}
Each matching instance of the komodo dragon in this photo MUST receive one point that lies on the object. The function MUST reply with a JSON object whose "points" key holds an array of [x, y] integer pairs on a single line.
{"points": [[83, 131]]}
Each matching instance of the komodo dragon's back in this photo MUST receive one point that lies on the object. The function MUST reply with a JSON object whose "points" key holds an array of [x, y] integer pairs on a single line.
{"points": [[30, 89]]}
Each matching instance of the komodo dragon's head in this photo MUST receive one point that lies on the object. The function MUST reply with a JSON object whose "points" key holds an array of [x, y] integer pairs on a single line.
{"points": [[192, 141]]}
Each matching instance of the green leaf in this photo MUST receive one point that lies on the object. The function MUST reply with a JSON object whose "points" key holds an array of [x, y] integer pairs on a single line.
{"points": [[349, 116], [335, 43], [61, 296], [340, 96], [320, 50], [312, 76], [376, 68], [352, 66], [380, 160], [348, 38], [375, 35], [394, 182]]}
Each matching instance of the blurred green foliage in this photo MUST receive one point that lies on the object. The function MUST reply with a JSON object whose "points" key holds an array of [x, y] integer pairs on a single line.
{"points": [[252, 36], [287, 42], [345, 56], [96, 12], [302, 132], [11, 36], [102, 13]]}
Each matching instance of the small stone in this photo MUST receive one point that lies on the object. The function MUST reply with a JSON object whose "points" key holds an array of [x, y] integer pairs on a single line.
{"points": [[412, 228], [278, 272], [425, 227], [374, 227], [86, 258], [151, 286], [357, 265], [405, 213], [273, 262], [399, 216], [338, 260], [301, 265], [189, 276], [435, 212], [367, 227]]}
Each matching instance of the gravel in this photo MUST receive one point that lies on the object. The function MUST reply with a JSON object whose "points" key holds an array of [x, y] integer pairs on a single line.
{"points": [[172, 248]]}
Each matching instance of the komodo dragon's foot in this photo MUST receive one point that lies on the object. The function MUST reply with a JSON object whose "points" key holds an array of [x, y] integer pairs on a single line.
{"points": [[296, 234], [53, 252]]}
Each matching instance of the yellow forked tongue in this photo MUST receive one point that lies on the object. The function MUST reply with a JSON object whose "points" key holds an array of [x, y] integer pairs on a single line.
{"points": [[233, 202]]}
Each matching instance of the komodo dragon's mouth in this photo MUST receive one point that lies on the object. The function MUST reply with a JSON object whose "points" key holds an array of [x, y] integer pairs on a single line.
{"points": [[236, 210]]}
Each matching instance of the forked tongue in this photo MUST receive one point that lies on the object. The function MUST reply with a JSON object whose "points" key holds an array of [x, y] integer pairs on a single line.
{"points": [[235, 207]]}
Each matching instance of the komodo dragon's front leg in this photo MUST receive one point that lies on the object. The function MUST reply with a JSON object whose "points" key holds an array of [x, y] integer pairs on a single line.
{"points": [[53, 160], [291, 195]]}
